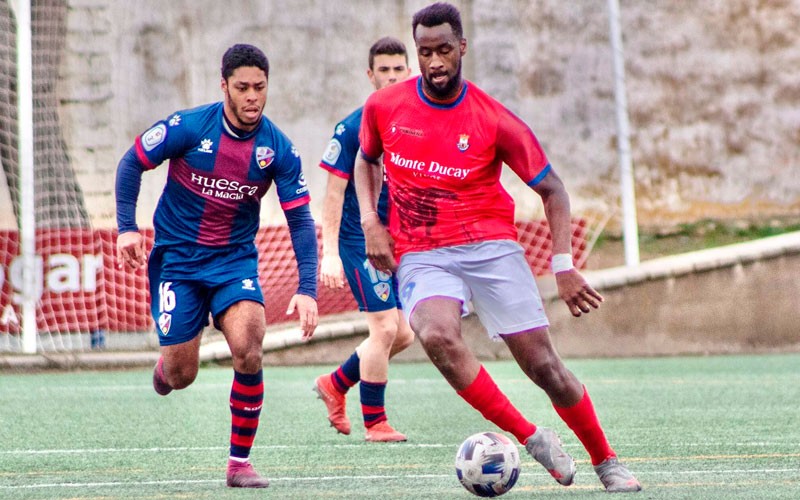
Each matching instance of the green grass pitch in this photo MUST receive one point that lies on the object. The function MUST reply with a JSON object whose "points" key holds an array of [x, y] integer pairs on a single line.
{"points": [[689, 427]]}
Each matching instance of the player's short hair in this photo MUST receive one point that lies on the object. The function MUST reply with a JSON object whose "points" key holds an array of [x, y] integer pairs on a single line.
{"points": [[436, 14], [389, 46], [243, 54]]}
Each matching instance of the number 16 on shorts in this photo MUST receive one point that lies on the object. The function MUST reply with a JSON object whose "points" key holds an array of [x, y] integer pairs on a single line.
{"points": [[166, 303]]}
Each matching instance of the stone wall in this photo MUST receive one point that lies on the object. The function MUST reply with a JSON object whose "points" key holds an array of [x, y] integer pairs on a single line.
{"points": [[713, 90], [729, 300]]}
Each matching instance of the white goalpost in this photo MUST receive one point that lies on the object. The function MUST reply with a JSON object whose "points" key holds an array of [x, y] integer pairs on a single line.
{"points": [[26, 180], [630, 230]]}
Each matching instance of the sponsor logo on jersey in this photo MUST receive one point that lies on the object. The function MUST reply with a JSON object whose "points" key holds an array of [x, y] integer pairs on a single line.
{"points": [[205, 146], [301, 179], [164, 322], [415, 132], [463, 142], [223, 188], [432, 169], [382, 291], [295, 152], [264, 156], [247, 284], [340, 129], [332, 152], [154, 137], [175, 120]]}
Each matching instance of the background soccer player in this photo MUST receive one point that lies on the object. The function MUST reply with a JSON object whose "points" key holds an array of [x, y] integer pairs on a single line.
{"points": [[223, 158], [343, 254], [444, 142]]}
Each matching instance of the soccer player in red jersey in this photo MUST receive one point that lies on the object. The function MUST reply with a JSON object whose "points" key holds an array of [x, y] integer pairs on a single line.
{"points": [[343, 255], [451, 228]]}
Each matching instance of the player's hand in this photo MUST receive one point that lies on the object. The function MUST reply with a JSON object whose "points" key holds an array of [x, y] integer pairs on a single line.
{"points": [[379, 245], [576, 292], [331, 272], [130, 250], [307, 310]]}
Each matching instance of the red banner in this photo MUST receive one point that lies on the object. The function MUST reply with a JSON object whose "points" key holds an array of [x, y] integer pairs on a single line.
{"points": [[81, 289]]}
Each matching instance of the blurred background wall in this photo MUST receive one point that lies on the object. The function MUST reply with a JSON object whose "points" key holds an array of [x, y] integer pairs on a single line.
{"points": [[713, 90]]}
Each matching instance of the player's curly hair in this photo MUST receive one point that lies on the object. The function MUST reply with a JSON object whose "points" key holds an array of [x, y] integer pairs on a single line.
{"points": [[436, 14], [243, 54], [389, 46]]}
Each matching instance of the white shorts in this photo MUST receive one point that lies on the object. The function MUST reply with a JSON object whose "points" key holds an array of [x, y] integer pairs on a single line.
{"points": [[493, 275]]}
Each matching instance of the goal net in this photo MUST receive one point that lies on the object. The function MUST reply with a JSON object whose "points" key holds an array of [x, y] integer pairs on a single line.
{"points": [[82, 300]]}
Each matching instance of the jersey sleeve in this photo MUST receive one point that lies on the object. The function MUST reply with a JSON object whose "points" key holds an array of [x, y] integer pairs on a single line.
{"points": [[164, 140], [127, 186], [340, 155], [519, 148], [289, 179], [369, 135]]}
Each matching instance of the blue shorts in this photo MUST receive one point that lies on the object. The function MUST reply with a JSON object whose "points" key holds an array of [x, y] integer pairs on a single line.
{"points": [[189, 282], [373, 290]]}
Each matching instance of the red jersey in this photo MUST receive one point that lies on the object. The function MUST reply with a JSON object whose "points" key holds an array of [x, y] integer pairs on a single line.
{"points": [[443, 164]]}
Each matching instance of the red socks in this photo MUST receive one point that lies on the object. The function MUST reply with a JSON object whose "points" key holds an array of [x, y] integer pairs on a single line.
{"points": [[247, 396], [484, 395], [372, 402], [583, 421]]}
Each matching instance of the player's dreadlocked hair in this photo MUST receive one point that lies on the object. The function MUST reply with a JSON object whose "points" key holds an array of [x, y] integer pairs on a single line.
{"points": [[436, 14], [388, 46], [241, 55]]}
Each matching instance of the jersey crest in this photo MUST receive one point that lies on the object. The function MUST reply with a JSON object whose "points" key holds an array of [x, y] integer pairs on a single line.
{"points": [[264, 156], [463, 142]]}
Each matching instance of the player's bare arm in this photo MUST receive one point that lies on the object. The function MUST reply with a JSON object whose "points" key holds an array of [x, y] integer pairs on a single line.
{"points": [[331, 272], [379, 244], [306, 308], [130, 250], [573, 289]]}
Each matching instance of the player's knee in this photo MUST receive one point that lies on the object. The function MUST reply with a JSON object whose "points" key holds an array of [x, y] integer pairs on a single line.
{"points": [[248, 360], [403, 339], [181, 376], [440, 337], [548, 372]]}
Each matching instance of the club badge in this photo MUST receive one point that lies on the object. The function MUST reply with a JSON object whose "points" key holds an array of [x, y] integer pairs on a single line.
{"points": [[382, 291], [463, 142], [164, 322], [264, 156]]}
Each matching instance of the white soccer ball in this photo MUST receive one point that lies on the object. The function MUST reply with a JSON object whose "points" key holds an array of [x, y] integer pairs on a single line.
{"points": [[487, 464]]}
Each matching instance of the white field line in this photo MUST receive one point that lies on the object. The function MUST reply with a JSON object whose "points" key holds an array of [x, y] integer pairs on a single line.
{"points": [[745, 473], [183, 449]]}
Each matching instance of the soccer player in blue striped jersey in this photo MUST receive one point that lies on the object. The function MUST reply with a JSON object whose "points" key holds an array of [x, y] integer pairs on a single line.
{"points": [[223, 157], [343, 255]]}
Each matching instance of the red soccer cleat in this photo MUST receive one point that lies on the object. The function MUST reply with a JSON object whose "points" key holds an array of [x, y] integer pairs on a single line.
{"points": [[159, 384], [242, 475], [382, 432], [334, 402]]}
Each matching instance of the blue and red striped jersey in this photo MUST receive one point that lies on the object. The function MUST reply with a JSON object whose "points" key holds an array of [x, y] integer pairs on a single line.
{"points": [[216, 178], [339, 159]]}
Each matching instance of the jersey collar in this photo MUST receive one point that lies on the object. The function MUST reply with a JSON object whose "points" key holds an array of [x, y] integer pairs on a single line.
{"points": [[439, 105]]}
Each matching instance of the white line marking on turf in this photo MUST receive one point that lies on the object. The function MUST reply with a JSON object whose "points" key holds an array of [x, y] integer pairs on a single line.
{"points": [[352, 478], [204, 448], [176, 449]]}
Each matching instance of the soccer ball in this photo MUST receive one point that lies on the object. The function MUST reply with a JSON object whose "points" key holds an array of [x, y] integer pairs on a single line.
{"points": [[487, 464]]}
